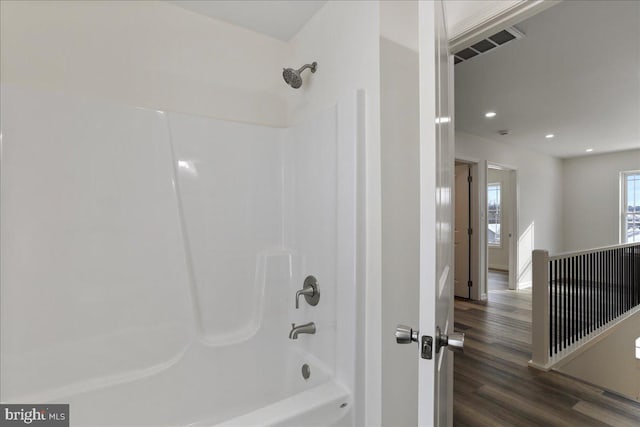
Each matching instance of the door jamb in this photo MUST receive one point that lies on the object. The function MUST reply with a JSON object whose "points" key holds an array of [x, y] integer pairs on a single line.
{"points": [[477, 236], [513, 222]]}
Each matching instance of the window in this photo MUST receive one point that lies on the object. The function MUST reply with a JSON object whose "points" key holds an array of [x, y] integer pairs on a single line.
{"points": [[630, 207], [494, 214]]}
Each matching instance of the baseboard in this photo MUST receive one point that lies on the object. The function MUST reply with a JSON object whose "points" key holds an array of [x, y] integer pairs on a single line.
{"points": [[545, 368], [525, 285], [501, 268]]}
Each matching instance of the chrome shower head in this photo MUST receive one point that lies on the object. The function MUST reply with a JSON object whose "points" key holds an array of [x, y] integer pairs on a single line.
{"points": [[292, 77]]}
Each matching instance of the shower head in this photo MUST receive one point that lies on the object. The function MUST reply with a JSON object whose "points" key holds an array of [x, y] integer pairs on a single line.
{"points": [[292, 77]]}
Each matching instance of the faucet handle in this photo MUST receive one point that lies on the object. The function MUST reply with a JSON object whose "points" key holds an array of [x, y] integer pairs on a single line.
{"points": [[310, 291]]}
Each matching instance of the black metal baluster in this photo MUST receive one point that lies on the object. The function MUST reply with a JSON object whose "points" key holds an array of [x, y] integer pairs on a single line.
{"points": [[606, 283], [636, 273], [555, 306], [582, 297], [573, 300], [620, 280], [587, 294], [610, 284], [614, 285], [625, 279], [583, 294], [570, 300], [578, 299], [551, 319], [633, 278], [565, 323], [618, 283], [577, 312], [601, 287], [592, 259]]}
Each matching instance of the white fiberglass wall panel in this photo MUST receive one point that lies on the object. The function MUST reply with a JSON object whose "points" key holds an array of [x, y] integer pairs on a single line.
{"points": [[94, 287], [230, 185], [311, 224]]}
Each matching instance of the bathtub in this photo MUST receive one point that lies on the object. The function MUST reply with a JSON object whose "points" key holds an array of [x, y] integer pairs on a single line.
{"points": [[242, 385], [151, 260], [325, 405]]}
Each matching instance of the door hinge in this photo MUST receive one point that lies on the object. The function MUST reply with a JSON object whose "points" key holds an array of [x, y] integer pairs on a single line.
{"points": [[426, 347], [469, 283], [469, 179], [470, 231]]}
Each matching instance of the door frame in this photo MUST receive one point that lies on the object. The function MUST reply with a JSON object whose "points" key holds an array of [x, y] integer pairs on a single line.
{"points": [[513, 210], [478, 254]]}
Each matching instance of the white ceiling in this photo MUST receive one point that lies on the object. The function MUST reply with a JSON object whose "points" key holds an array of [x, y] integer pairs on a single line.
{"points": [[576, 74], [281, 19]]}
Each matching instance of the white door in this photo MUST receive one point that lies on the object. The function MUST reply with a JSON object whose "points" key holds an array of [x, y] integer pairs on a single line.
{"points": [[461, 233], [435, 334]]}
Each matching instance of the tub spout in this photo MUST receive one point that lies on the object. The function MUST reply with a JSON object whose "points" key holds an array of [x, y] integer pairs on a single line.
{"points": [[307, 328]]}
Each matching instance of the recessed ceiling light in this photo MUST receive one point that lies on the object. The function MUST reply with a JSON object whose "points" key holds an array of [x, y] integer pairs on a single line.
{"points": [[549, 135], [588, 150], [490, 114]]}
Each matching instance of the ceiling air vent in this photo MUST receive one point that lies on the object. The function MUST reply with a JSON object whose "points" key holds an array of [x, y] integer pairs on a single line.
{"points": [[483, 46]]}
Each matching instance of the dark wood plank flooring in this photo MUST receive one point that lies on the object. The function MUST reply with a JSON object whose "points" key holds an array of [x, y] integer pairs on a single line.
{"points": [[493, 386]]}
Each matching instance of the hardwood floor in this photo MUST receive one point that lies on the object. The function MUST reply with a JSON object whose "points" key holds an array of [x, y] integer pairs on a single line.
{"points": [[493, 386], [498, 280]]}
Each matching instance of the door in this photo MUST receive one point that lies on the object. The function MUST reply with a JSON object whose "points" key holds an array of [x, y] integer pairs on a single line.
{"points": [[462, 244], [435, 334], [513, 231], [435, 367]]}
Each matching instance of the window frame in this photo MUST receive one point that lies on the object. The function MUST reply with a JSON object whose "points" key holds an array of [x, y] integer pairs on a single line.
{"points": [[624, 203], [499, 185]]}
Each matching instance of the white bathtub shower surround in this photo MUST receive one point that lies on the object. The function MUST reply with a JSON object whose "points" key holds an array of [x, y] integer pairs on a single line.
{"points": [[150, 262], [93, 279], [230, 187]]}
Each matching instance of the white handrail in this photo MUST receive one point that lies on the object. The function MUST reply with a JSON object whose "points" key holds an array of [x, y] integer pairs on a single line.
{"points": [[590, 251]]}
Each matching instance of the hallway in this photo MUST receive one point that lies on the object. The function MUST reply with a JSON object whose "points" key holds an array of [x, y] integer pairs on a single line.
{"points": [[493, 385]]}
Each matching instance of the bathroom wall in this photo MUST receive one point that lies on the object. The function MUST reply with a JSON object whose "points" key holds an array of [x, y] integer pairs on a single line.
{"points": [[400, 228], [400, 141], [144, 53]]}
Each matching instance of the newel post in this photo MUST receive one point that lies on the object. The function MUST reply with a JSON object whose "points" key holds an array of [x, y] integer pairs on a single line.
{"points": [[540, 310]]}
